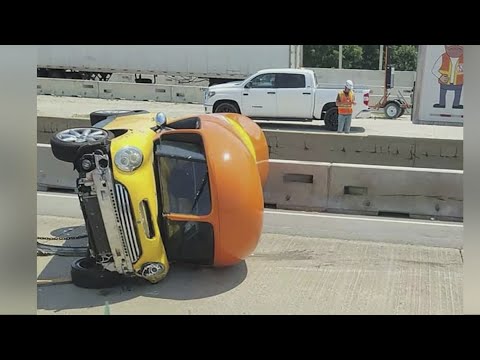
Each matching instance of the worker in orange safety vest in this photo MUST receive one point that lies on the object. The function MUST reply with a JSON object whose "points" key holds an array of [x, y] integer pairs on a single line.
{"points": [[449, 71], [345, 102]]}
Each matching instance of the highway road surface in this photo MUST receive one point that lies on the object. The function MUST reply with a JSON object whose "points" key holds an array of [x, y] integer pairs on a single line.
{"points": [[306, 263]]}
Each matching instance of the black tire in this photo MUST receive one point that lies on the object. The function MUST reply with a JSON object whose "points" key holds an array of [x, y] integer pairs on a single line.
{"points": [[100, 115], [392, 110], [70, 151], [89, 275], [331, 119], [403, 105], [226, 107]]}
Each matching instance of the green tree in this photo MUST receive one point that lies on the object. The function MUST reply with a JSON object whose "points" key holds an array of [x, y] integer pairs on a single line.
{"points": [[352, 57], [404, 57], [370, 56], [320, 56]]}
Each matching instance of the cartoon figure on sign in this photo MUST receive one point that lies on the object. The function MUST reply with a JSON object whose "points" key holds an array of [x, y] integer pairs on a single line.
{"points": [[449, 70]]}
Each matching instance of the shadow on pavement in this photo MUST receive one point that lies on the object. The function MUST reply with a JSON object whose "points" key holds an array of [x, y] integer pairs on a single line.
{"points": [[182, 283]]}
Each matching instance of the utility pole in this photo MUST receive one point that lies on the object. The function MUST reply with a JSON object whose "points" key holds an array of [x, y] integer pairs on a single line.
{"points": [[386, 63], [340, 56], [380, 58]]}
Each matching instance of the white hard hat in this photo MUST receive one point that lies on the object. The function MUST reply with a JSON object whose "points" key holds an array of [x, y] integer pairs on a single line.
{"points": [[349, 84]]}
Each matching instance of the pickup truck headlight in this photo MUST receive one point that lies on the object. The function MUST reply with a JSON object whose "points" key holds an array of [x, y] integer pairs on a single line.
{"points": [[128, 158], [210, 94]]}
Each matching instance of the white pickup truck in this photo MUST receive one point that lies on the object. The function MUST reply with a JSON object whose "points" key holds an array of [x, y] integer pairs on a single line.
{"points": [[283, 94]]}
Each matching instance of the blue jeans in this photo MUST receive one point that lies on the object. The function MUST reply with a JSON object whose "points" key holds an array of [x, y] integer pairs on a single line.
{"points": [[344, 122]]}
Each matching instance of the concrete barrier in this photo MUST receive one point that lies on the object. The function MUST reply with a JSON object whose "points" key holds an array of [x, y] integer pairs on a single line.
{"points": [[142, 92], [297, 185], [386, 189], [188, 94], [314, 186], [371, 149], [365, 189], [53, 173], [329, 147], [361, 77], [64, 87], [121, 90]]}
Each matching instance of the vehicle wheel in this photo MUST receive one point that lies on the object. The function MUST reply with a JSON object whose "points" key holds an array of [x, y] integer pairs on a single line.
{"points": [[87, 274], [403, 105], [67, 143], [392, 110], [100, 115], [331, 119], [227, 107]]}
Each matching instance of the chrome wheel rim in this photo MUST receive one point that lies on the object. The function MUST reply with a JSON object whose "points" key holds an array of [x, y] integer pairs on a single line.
{"points": [[81, 135]]}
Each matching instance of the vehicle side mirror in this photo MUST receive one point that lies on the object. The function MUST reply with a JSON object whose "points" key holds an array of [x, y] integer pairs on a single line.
{"points": [[248, 85]]}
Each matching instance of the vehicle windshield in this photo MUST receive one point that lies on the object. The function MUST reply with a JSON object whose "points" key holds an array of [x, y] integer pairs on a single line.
{"points": [[185, 190], [184, 180]]}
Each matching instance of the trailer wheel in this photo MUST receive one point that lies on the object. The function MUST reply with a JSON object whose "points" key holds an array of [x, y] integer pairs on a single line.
{"points": [[331, 119], [392, 110], [403, 105]]}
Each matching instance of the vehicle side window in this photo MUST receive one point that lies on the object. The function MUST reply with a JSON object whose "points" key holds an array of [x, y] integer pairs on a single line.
{"points": [[291, 81], [184, 181], [190, 242], [263, 81]]}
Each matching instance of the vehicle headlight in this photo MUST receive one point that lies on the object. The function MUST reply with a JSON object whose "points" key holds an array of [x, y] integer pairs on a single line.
{"points": [[210, 94], [128, 158]]}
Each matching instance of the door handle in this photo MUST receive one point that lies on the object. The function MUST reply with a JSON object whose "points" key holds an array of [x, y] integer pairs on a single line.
{"points": [[271, 93], [245, 94], [307, 93]]}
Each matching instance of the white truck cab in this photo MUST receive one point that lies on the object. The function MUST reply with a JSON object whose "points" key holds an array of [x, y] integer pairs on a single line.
{"points": [[283, 94]]}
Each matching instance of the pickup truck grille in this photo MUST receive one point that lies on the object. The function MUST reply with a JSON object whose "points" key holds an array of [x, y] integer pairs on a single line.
{"points": [[127, 226]]}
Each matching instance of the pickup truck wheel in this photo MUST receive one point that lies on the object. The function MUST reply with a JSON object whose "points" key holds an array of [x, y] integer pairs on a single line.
{"points": [[86, 273], [227, 107], [66, 144], [331, 119], [392, 110]]}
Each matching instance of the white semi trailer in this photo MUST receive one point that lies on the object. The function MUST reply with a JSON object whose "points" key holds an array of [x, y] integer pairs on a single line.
{"points": [[217, 63]]}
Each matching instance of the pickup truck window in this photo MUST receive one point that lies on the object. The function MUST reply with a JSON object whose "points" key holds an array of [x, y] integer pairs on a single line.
{"points": [[290, 81], [263, 81]]}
